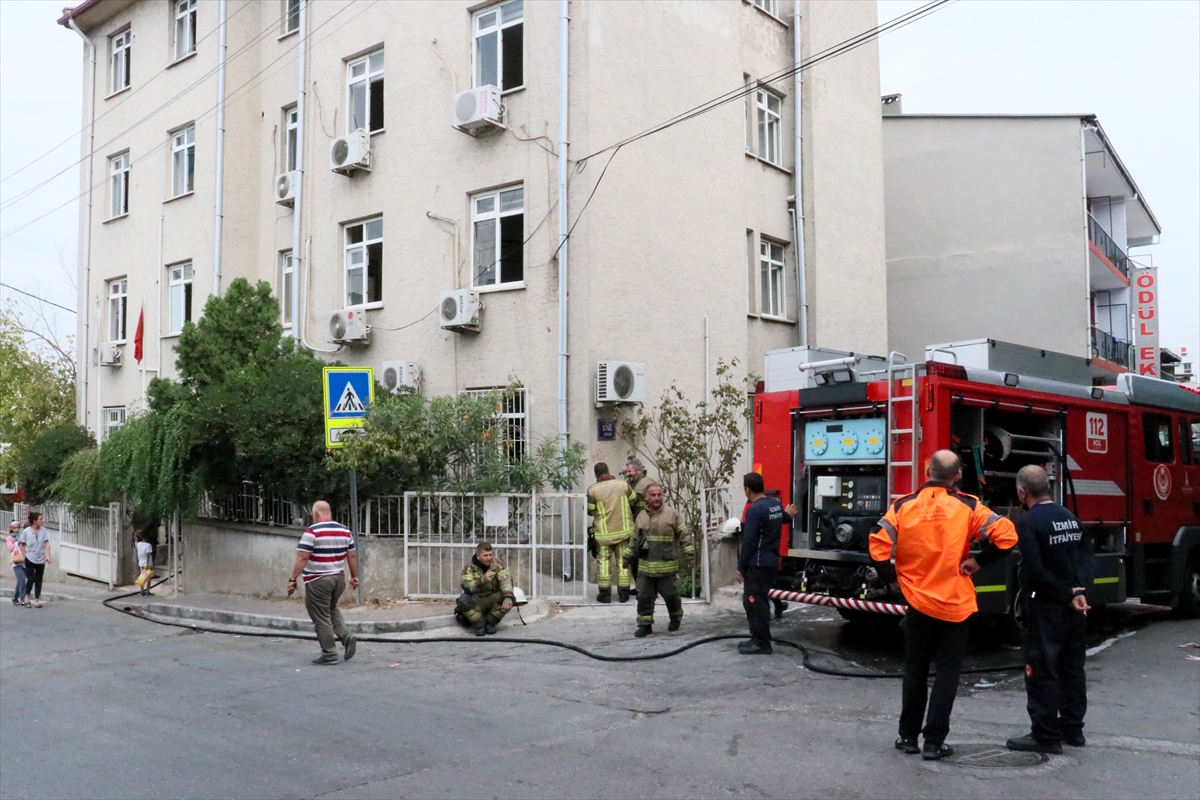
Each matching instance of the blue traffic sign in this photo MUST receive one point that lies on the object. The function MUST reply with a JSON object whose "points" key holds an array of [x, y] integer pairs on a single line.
{"points": [[348, 392]]}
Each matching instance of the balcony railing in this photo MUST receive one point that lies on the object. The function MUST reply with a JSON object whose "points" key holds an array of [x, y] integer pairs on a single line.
{"points": [[1111, 250], [1111, 349]]}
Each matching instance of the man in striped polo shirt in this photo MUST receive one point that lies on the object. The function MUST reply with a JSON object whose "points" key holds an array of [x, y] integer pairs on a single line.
{"points": [[325, 549]]}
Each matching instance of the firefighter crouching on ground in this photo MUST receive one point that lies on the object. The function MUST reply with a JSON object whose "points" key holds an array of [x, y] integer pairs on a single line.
{"points": [[660, 536], [924, 541], [487, 591], [1056, 568], [608, 504]]}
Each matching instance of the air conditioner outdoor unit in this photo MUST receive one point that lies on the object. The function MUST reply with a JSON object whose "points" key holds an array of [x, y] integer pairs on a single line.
{"points": [[461, 310], [285, 187], [110, 355], [401, 376], [620, 382], [351, 152], [478, 110], [349, 326]]}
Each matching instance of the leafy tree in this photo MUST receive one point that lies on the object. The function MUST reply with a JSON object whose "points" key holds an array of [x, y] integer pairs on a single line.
{"points": [[37, 386], [693, 447], [39, 462]]}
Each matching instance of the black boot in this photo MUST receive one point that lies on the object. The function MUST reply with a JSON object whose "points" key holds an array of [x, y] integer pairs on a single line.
{"points": [[479, 630], [623, 595], [1028, 743], [753, 648], [642, 630], [604, 596], [674, 626]]}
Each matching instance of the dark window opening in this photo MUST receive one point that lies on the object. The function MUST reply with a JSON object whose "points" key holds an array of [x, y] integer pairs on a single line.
{"points": [[376, 121], [512, 50], [512, 248], [375, 272], [1157, 431]]}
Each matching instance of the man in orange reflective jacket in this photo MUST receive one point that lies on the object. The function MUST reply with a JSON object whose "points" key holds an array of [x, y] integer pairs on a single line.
{"points": [[924, 542]]}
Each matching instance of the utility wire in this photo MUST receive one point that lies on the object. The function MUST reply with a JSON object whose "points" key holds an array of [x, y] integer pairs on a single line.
{"points": [[229, 101], [39, 299], [120, 102]]}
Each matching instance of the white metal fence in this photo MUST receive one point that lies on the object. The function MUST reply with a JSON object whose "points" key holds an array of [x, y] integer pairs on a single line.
{"points": [[88, 542]]}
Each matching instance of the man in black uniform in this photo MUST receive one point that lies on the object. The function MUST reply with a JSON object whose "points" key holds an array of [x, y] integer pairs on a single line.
{"points": [[1056, 568], [758, 561]]}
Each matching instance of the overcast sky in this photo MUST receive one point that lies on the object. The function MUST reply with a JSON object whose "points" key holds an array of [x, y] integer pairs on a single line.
{"points": [[1136, 65]]}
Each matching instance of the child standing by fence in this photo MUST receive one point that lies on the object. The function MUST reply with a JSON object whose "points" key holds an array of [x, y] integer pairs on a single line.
{"points": [[145, 556]]}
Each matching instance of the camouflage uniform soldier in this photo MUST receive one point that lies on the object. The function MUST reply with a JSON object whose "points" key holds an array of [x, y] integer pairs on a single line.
{"points": [[608, 502], [487, 591], [661, 534]]}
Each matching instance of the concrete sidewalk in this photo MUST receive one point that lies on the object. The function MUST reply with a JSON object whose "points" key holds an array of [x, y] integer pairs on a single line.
{"points": [[272, 614]]}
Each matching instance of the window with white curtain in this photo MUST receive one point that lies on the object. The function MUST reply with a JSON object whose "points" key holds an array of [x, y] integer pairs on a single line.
{"points": [[769, 107], [364, 262], [185, 28], [183, 161], [179, 296], [500, 46], [119, 64], [774, 296], [118, 305], [118, 170]]}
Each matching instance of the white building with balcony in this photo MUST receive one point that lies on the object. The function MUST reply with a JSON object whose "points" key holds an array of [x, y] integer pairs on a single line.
{"points": [[1014, 228], [367, 157]]}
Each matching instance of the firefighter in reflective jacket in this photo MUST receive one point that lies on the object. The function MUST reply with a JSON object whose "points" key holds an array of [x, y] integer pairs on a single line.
{"points": [[487, 591], [660, 536], [924, 541], [639, 481], [608, 504]]}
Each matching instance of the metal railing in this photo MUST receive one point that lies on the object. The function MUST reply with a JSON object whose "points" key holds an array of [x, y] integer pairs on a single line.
{"points": [[1112, 349], [1105, 244]]}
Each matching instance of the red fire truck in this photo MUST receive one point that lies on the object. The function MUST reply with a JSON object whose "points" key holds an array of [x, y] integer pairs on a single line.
{"points": [[1124, 458]]}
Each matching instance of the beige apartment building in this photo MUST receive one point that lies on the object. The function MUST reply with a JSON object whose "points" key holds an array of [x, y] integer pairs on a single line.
{"points": [[214, 128], [1012, 228]]}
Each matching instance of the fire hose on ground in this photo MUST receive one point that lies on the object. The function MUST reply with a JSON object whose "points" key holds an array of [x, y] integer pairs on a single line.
{"points": [[805, 653]]}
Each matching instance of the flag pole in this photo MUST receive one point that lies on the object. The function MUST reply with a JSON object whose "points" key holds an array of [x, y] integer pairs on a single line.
{"points": [[139, 335]]}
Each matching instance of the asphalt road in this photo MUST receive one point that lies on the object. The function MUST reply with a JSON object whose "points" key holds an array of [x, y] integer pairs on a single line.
{"points": [[95, 705]]}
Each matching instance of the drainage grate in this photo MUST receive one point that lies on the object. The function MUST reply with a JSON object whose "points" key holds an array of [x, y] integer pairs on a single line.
{"points": [[993, 756]]}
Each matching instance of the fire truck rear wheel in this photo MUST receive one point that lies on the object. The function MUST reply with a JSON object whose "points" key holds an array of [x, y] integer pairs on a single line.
{"points": [[1189, 599]]}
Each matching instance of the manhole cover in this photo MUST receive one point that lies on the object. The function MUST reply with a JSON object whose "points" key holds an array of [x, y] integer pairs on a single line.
{"points": [[993, 756]]}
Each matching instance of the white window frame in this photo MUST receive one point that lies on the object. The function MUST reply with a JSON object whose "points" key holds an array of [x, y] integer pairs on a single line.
{"points": [[769, 6], [291, 128], [490, 262], [287, 287], [366, 72], [179, 296], [114, 418], [351, 265], [184, 28], [768, 119], [513, 414], [772, 278], [183, 161], [120, 51], [290, 20], [507, 15], [118, 196], [118, 310]]}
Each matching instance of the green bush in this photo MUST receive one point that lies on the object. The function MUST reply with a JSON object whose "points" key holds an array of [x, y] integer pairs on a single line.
{"points": [[39, 461]]}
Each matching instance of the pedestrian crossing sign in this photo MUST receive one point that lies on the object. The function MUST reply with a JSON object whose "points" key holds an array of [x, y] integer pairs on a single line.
{"points": [[349, 392]]}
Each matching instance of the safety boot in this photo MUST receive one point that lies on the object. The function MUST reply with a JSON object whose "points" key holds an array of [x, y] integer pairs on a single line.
{"points": [[1075, 738], [753, 648], [479, 630], [489, 628], [623, 595], [642, 631], [604, 596], [1028, 743], [674, 626]]}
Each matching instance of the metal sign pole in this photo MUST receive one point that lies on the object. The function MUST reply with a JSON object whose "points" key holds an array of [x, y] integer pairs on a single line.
{"points": [[359, 542]]}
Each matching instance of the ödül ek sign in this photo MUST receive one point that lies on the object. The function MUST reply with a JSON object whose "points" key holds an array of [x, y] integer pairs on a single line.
{"points": [[1145, 295]]}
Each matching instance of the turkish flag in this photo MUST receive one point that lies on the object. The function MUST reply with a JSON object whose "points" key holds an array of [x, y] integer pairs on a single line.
{"points": [[139, 335]]}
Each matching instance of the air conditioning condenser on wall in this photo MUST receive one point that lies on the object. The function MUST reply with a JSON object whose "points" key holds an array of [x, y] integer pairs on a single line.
{"points": [[285, 187], [349, 326], [461, 310], [350, 153], [399, 376], [110, 354], [478, 110], [620, 382]]}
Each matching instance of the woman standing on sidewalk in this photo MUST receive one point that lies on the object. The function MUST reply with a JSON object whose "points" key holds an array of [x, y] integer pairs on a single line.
{"points": [[35, 546], [17, 560]]}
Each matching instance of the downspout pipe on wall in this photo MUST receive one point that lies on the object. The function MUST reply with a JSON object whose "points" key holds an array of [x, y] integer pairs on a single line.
{"points": [[83, 334], [298, 325], [563, 96], [798, 176], [222, 52]]}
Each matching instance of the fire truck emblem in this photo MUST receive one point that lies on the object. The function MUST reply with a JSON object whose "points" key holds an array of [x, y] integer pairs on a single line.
{"points": [[1162, 481]]}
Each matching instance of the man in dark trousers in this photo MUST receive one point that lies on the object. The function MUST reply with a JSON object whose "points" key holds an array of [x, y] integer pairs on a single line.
{"points": [[1056, 568], [758, 561], [923, 542]]}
